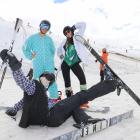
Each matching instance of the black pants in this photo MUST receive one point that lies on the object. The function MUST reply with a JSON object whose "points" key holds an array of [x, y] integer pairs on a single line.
{"points": [[102, 75], [76, 69], [65, 108]]}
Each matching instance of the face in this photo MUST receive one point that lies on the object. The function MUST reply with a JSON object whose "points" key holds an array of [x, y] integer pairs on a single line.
{"points": [[68, 34], [44, 82], [43, 31]]}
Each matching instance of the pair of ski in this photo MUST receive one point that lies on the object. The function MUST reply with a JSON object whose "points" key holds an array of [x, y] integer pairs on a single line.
{"points": [[18, 24], [123, 85], [85, 130]]}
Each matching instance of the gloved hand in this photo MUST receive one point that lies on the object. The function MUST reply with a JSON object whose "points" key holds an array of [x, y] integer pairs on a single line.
{"points": [[11, 111], [61, 56], [12, 60], [73, 28]]}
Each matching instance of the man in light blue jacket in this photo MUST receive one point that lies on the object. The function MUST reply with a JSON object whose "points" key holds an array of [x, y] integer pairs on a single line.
{"points": [[41, 50]]}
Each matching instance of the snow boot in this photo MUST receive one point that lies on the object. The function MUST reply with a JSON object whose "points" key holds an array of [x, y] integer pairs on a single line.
{"points": [[69, 93]]}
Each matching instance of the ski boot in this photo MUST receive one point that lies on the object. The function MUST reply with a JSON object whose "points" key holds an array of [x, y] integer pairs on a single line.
{"points": [[69, 93]]}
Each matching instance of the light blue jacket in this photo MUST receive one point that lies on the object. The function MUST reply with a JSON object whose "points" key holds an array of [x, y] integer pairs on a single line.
{"points": [[44, 49]]}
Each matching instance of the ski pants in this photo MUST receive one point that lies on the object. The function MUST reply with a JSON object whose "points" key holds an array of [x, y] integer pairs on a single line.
{"points": [[102, 75], [65, 108], [76, 69]]}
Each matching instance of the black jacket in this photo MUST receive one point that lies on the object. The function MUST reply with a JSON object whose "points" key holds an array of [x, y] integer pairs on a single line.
{"points": [[35, 109]]}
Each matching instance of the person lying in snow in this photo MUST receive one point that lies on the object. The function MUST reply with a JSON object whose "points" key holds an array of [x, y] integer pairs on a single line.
{"points": [[35, 103]]}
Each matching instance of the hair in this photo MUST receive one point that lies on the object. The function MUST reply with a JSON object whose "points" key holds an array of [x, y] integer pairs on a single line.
{"points": [[104, 50], [66, 28]]}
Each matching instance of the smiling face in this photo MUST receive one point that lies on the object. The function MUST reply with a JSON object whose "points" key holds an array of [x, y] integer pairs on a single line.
{"points": [[44, 27], [43, 31], [68, 34]]}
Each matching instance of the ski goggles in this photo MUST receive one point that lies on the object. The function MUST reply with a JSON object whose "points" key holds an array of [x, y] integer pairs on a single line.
{"points": [[44, 26]]}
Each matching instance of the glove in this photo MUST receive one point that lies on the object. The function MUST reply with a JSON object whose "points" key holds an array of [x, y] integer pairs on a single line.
{"points": [[61, 57], [11, 112], [73, 28], [12, 60]]}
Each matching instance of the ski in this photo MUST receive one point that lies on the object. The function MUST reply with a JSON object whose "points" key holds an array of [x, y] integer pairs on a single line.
{"points": [[4, 63], [108, 69], [4, 107], [89, 129], [103, 110]]}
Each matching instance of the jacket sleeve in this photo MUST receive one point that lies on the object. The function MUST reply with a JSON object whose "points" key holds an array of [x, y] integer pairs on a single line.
{"points": [[27, 49], [24, 83], [80, 28], [60, 51], [52, 48]]}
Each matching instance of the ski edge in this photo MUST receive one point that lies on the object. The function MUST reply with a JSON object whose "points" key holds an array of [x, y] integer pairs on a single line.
{"points": [[94, 128]]}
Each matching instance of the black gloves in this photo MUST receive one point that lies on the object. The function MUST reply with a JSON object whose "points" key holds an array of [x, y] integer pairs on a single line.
{"points": [[73, 28], [11, 112], [12, 60]]}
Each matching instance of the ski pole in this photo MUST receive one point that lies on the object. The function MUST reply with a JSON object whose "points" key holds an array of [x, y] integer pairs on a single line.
{"points": [[16, 30]]}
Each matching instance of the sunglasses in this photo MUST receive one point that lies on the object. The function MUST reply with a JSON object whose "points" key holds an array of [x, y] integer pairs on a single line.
{"points": [[68, 31]]}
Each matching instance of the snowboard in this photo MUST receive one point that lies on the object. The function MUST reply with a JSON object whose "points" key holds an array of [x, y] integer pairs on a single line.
{"points": [[109, 71], [92, 128]]}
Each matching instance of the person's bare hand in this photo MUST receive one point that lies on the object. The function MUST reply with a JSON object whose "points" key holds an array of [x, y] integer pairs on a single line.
{"points": [[33, 55]]}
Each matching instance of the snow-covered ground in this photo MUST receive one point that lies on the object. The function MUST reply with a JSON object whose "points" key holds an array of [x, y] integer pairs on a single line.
{"points": [[128, 70]]}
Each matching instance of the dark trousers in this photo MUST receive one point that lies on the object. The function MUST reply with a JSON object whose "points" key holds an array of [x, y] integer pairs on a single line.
{"points": [[76, 69], [65, 108], [102, 75]]}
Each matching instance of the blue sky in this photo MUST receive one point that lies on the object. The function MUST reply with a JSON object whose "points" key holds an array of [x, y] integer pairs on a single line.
{"points": [[59, 1]]}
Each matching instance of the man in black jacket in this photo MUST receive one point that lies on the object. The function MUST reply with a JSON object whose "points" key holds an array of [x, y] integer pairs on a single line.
{"points": [[35, 102]]}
